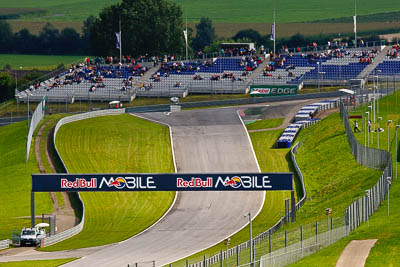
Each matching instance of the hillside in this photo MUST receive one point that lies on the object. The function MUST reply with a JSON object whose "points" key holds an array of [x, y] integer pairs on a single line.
{"points": [[219, 11]]}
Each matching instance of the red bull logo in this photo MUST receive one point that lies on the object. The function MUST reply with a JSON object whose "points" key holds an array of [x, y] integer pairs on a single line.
{"points": [[234, 182], [119, 182]]}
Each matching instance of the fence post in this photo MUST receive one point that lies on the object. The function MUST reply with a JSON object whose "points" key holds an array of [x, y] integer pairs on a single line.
{"points": [[187, 263], [154, 263], [204, 260], [220, 258], [237, 255], [270, 246], [301, 239], [316, 232], [285, 239]]}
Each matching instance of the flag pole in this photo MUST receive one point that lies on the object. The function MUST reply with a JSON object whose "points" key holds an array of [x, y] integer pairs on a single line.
{"points": [[186, 40], [120, 42], [355, 23], [274, 32]]}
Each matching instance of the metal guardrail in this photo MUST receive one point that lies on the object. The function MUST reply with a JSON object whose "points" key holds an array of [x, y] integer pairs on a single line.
{"points": [[78, 228], [4, 244]]}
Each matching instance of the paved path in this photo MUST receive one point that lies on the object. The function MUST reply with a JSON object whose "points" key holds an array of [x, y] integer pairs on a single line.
{"points": [[355, 253]]}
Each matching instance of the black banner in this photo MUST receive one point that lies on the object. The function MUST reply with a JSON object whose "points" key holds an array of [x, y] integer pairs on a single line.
{"points": [[161, 182]]}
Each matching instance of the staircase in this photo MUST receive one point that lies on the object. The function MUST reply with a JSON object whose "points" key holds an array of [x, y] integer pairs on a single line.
{"points": [[378, 59], [257, 71]]}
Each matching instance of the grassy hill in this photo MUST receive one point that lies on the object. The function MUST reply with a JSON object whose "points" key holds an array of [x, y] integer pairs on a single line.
{"points": [[116, 144], [15, 181], [40, 62], [381, 226], [219, 11]]}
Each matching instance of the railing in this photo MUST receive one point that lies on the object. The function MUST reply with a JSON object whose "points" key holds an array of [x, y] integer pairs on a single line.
{"points": [[362, 208], [4, 244], [78, 228], [35, 120], [359, 211]]}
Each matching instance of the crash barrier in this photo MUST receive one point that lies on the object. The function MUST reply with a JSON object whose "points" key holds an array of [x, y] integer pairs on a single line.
{"points": [[4, 244], [362, 208], [78, 228], [230, 102], [37, 116], [234, 253], [303, 120]]}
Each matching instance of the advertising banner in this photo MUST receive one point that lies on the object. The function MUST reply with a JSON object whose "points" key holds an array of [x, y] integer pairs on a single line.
{"points": [[161, 182], [273, 90]]}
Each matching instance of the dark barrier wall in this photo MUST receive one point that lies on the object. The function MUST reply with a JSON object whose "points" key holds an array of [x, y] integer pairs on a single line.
{"points": [[242, 101], [161, 182]]}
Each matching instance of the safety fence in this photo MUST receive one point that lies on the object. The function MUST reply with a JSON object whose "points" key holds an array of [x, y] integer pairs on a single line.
{"points": [[78, 228], [37, 116], [359, 211], [4, 244], [362, 208]]}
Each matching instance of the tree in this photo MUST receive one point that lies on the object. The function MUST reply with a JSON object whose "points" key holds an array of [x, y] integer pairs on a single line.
{"points": [[49, 38], [5, 36], [25, 42], [87, 24], [205, 34], [70, 41], [250, 34], [7, 85], [149, 27]]}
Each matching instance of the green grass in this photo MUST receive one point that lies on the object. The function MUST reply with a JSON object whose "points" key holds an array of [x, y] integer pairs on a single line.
{"points": [[116, 144], [219, 11], [40, 62], [38, 263], [15, 182], [265, 124], [381, 226], [270, 160]]}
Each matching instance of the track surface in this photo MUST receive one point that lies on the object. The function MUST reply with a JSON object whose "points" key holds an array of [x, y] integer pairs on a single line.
{"points": [[208, 140], [204, 141]]}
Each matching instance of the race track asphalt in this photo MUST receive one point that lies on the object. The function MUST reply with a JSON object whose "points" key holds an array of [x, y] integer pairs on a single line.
{"points": [[204, 141]]}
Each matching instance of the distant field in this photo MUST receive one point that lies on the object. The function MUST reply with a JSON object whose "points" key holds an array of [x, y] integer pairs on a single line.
{"points": [[116, 144], [42, 62], [220, 11]]}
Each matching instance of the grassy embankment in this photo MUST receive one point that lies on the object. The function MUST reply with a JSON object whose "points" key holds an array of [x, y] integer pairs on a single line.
{"points": [[116, 144], [15, 182], [381, 226]]}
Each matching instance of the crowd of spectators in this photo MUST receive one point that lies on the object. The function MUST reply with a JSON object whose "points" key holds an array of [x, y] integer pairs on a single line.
{"points": [[394, 52]]}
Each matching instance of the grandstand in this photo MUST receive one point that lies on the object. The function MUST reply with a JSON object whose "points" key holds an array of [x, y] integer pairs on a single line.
{"points": [[224, 75], [390, 66]]}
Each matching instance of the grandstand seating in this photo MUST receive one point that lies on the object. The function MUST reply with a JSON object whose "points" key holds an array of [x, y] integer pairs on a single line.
{"points": [[298, 67], [302, 119], [389, 67]]}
